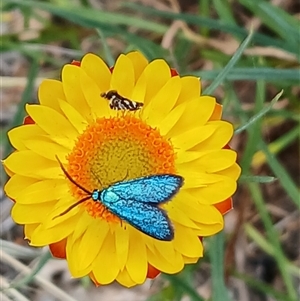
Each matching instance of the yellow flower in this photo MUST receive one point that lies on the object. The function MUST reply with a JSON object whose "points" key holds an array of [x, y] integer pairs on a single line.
{"points": [[176, 131]]}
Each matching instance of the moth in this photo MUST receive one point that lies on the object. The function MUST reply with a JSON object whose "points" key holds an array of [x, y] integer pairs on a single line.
{"points": [[137, 201], [118, 102]]}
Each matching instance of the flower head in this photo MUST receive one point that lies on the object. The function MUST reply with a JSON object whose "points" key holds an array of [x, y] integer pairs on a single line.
{"points": [[100, 128]]}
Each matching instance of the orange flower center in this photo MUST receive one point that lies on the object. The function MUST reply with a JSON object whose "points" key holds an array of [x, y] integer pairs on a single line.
{"points": [[113, 150]]}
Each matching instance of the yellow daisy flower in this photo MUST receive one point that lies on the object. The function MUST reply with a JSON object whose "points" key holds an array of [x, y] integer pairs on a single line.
{"points": [[99, 127]]}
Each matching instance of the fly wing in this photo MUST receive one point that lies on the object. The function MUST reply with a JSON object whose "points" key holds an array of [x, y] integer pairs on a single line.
{"points": [[153, 189], [147, 218]]}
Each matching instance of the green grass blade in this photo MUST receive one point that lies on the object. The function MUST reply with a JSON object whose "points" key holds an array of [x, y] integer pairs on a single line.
{"points": [[222, 75], [216, 254], [276, 19], [92, 18], [276, 146], [263, 287], [183, 285], [257, 179], [259, 115], [44, 258], [224, 11], [235, 30], [279, 171], [254, 74], [109, 58], [272, 236]]}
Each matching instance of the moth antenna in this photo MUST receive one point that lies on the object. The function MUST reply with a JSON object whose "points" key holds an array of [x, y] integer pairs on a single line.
{"points": [[70, 178], [72, 206], [96, 177]]}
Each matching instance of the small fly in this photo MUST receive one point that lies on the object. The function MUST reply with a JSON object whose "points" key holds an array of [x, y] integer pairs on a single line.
{"points": [[118, 102]]}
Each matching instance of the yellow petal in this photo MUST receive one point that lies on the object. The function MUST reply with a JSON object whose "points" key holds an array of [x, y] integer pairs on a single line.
{"points": [[92, 93], [72, 258], [43, 237], [189, 260], [160, 263], [42, 191], [139, 63], [105, 267], [83, 223], [136, 265], [73, 91], [190, 205], [57, 214], [139, 90], [166, 125], [97, 70], [19, 134], [124, 279], [29, 214], [191, 89], [233, 171], [16, 184], [213, 161], [184, 156], [122, 78], [192, 137], [49, 92], [197, 113], [52, 122], [47, 148], [29, 229], [166, 250], [209, 229], [163, 102], [74, 117], [198, 178], [122, 245], [216, 192], [29, 164], [187, 242], [87, 249], [175, 214], [221, 136], [157, 73]]}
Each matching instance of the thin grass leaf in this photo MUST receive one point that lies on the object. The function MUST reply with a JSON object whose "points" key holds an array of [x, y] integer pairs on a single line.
{"points": [[204, 11], [184, 286], [49, 287], [276, 146], [254, 74], [276, 19], [216, 254], [18, 251], [44, 258], [109, 58], [257, 179], [272, 236], [254, 132], [268, 248], [150, 49], [259, 115], [224, 11], [259, 240], [263, 287], [236, 31], [222, 75], [279, 171], [89, 17]]}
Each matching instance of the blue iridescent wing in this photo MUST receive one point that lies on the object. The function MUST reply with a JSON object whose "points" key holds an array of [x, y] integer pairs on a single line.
{"points": [[147, 218], [151, 189]]}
